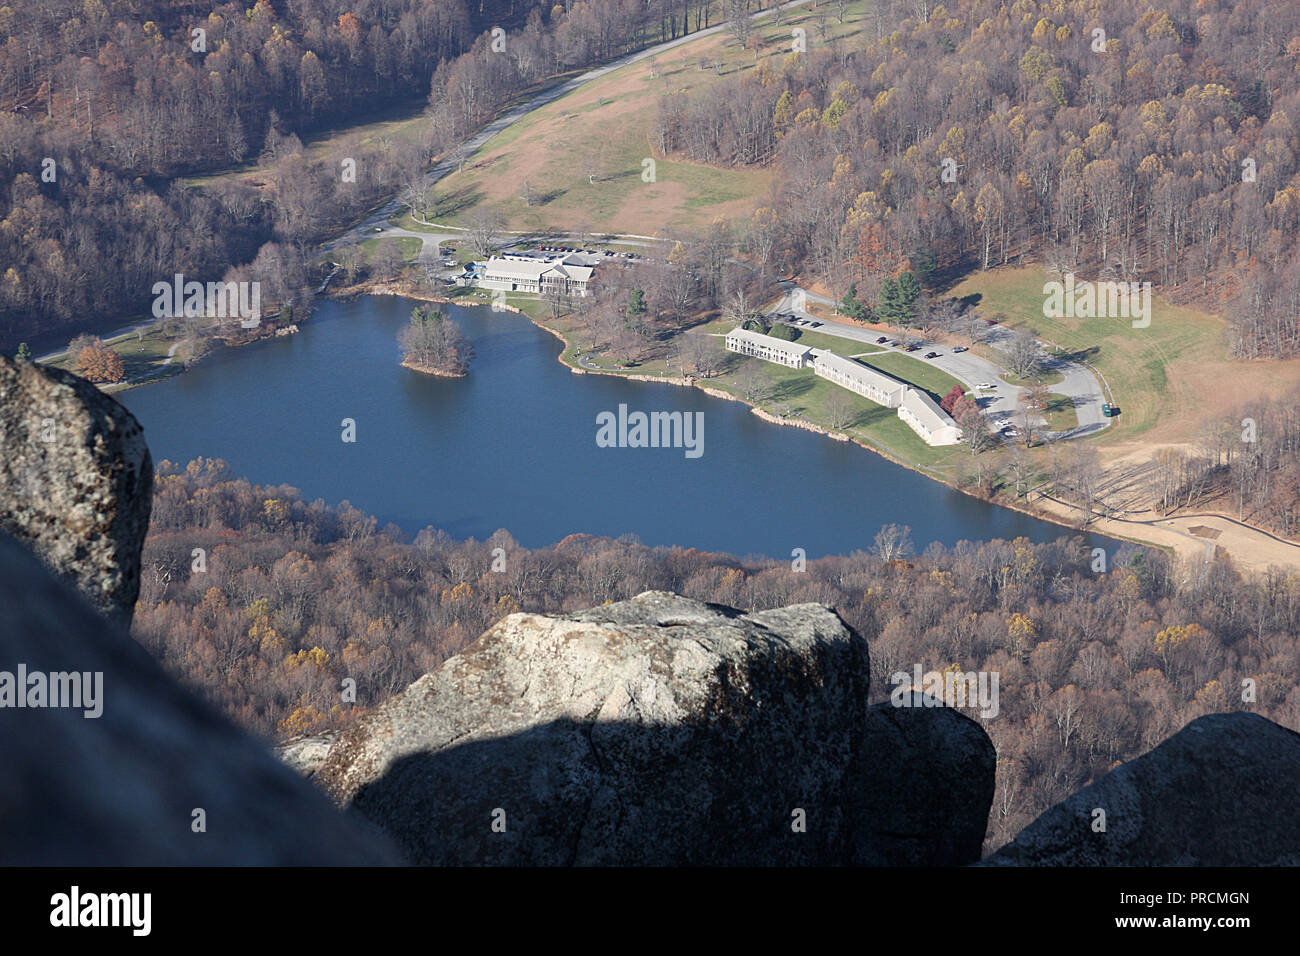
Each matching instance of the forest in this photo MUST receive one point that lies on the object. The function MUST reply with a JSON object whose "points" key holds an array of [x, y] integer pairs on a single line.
{"points": [[1129, 140], [265, 603], [106, 104]]}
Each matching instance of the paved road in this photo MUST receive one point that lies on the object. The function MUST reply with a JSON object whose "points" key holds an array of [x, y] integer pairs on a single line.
{"points": [[1079, 384]]}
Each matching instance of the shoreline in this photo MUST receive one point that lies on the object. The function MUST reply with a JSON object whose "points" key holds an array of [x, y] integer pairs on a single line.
{"points": [[436, 372], [1062, 514]]}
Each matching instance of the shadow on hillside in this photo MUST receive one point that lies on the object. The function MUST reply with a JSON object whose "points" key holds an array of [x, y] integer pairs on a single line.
{"points": [[792, 388], [1079, 355], [458, 201]]}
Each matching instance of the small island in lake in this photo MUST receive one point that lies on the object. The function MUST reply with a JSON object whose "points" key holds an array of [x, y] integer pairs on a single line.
{"points": [[435, 345]]}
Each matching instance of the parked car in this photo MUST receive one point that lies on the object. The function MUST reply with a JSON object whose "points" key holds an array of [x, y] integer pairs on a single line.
{"points": [[912, 348], [882, 340], [961, 348], [1011, 431], [815, 325], [986, 386], [931, 354]]}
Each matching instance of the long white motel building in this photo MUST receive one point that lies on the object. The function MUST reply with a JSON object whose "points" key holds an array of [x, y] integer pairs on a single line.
{"points": [[527, 274], [915, 407]]}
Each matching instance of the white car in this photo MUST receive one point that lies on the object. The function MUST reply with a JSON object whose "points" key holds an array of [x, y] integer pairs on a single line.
{"points": [[985, 387]]}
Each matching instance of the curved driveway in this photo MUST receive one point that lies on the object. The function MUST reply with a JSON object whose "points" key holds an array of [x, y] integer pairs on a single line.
{"points": [[1078, 384]]}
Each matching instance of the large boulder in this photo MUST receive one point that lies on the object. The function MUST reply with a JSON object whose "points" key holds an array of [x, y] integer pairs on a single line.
{"points": [[75, 481], [664, 731], [924, 780], [1220, 792], [121, 778]]}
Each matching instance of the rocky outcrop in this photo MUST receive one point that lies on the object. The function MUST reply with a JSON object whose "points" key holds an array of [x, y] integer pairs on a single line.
{"points": [[127, 775], [662, 730], [307, 754], [76, 481], [1220, 792]]}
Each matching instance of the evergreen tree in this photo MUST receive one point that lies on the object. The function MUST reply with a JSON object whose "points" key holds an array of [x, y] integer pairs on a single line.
{"points": [[909, 291], [636, 303], [24, 354], [888, 306], [851, 305]]}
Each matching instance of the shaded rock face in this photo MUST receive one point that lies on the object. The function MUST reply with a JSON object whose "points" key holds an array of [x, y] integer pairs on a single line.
{"points": [[76, 481], [122, 788], [924, 784], [1220, 792], [662, 731]]}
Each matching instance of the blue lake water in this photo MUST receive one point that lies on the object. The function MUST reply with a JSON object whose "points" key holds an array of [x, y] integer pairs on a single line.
{"points": [[513, 446]]}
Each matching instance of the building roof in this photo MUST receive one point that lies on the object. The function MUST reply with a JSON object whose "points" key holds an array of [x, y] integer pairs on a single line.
{"points": [[769, 341], [516, 268], [863, 373], [926, 410], [578, 273], [534, 269]]}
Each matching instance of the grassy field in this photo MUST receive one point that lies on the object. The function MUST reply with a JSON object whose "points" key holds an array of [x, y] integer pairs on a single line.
{"points": [[1060, 413], [1167, 377], [409, 245], [921, 374], [806, 396], [584, 154], [798, 393], [142, 359]]}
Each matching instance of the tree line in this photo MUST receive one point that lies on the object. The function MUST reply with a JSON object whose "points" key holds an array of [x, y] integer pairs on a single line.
{"points": [[290, 597]]}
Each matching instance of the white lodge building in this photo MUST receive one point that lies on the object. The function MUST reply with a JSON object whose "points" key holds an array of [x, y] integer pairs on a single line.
{"points": [[768, 348], [927, 419], [915, 407], [512, 274]]}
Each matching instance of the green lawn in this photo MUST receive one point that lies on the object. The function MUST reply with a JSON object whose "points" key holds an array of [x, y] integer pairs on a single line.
{"points": [[1060, 413], [409, 245], [142, 359], [807, 395], [1154, 373], [914, 371]]}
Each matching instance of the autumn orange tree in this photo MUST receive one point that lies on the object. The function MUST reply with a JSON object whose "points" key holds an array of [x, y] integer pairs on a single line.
{"points": [[100, 364]]}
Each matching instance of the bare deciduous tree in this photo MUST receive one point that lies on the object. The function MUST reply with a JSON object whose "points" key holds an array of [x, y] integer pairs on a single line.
{"points": [[893, 542], [484, 226]]}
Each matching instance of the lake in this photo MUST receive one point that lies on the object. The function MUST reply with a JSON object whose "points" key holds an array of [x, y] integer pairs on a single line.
{"points": [[513, 446]]}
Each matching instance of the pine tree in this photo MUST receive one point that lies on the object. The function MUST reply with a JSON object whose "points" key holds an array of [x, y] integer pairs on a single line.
{"points": [[909, 291], [888, 306], [636, 303], [851, 305]]}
